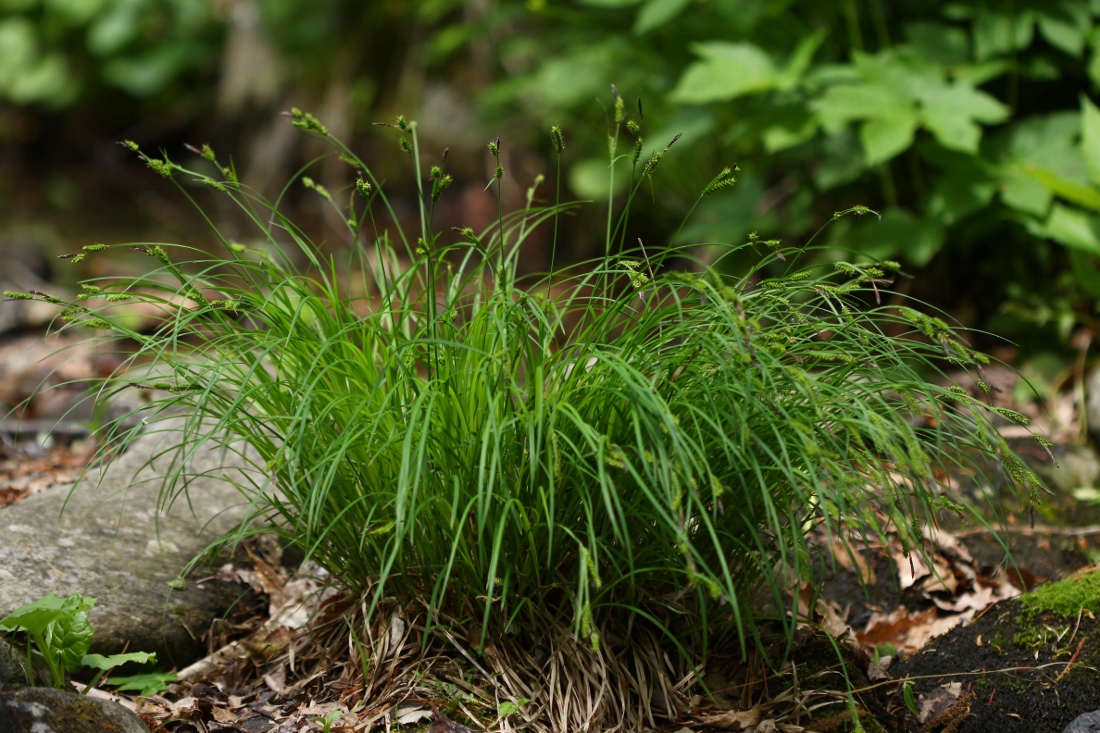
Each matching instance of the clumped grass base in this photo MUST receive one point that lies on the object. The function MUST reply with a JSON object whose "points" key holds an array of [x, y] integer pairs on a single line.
{"points": [[612, 475]]}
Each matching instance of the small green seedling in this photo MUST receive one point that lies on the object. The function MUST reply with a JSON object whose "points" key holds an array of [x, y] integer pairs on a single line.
{"points": [[884, 650], [328, 720], [106, 664], [60, 630], [910, 701], [508, 707], [150, 683]]}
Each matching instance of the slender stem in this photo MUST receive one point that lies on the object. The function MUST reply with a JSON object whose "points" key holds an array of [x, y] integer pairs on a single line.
{"points": [[852, 16], [500, 223], [419, 181], [889, 189], [881, 29], [611, 196], [430, 265], [557, 211], [95, 680], [425, 238], [47, 653], [30, 665]]}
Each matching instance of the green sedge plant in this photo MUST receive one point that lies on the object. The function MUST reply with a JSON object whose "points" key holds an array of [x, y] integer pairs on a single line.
{"points": [[639, 456]]}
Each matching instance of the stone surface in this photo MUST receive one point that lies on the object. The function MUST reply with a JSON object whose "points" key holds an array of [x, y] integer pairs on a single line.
{"points": [[18, 315], [11, 666], [1087, 723], [1077, 466], [46, 710], [112, 541], [13, 663]]}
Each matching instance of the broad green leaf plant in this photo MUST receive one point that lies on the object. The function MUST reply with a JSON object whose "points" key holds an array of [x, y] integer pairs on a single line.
{"points": [[966, 124], [60, 631], [622, 453]]}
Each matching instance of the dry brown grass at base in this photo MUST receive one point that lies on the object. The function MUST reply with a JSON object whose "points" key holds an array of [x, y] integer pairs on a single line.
{"points": [[556, 683]]}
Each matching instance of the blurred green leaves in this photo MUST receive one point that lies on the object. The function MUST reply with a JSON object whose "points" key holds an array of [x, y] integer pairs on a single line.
{"points": [[892, 95], [55, 51], [726, 71], [973, 119], [28, 72], [970, 126]]}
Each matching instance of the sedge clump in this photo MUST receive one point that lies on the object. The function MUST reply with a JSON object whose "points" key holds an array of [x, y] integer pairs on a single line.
{"points": [[622, 468]]}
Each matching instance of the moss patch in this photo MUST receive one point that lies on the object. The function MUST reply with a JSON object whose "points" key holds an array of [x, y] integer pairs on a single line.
{"points": [[1034, 637], [1065, 598]]}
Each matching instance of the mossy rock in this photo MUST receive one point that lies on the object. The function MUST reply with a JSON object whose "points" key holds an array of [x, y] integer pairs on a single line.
{"points": [[13, 666], [1017, 652], [46, 710]]}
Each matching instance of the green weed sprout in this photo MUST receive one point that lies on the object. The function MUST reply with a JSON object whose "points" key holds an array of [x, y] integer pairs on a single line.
{"points": [[147, 683], [60, 630], [640, 458]]}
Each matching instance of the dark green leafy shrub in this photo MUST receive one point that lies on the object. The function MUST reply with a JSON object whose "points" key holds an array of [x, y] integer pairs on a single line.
{"points": [[966, 124]]}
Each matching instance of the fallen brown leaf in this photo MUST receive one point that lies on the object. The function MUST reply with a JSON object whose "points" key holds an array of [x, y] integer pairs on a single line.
{"points": [[736, 720]]}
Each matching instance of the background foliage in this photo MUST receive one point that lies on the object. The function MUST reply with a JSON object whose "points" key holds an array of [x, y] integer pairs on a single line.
{"points": [[968, 125]]}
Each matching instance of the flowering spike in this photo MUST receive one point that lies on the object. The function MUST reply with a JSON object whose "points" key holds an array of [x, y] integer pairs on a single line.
{"points": [[557, 138], [440, 183]]}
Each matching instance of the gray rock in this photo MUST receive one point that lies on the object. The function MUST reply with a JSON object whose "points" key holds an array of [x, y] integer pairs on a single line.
{"points": [[16, 315], [13, 667], [115, 542], [46, 710], [1087, 723], [1077, 466]]}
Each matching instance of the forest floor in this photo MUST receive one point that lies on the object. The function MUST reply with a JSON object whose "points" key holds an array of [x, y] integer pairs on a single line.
{"points": [[929, 616]]}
